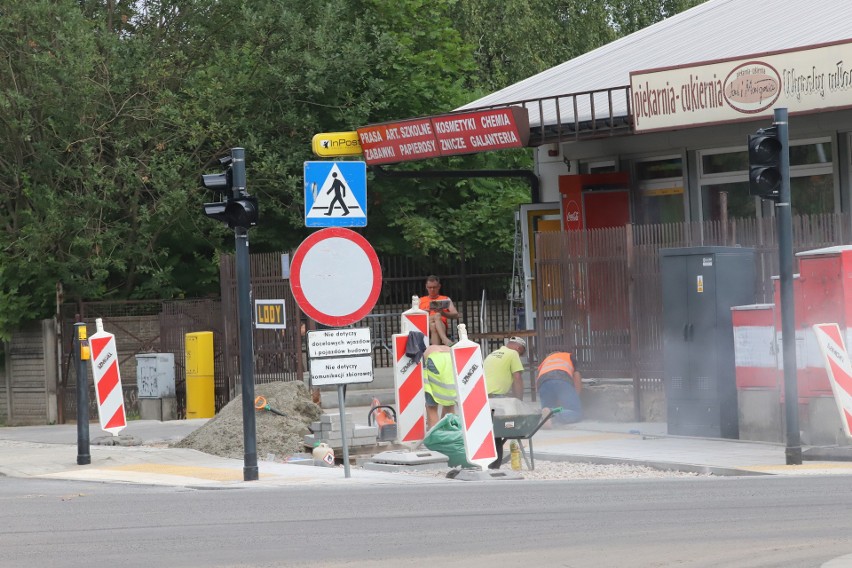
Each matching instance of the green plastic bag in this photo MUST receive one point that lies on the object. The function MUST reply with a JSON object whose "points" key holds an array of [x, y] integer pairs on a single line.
{"points": [[446, 437]]}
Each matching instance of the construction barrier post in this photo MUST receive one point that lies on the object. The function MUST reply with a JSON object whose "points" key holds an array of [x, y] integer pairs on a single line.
{"points": [[415, 319], [109, 393], [410, 398], [474, 408]]}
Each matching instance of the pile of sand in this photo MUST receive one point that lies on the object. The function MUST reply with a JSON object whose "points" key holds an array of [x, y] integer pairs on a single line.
{"points": [[278, 435]]}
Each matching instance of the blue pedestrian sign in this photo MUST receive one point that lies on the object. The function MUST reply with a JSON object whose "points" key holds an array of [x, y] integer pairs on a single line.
{"points": [[335, 194]]}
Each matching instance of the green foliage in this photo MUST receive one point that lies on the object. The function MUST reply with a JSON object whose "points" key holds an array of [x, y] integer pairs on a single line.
{"points": [[109, 111]]}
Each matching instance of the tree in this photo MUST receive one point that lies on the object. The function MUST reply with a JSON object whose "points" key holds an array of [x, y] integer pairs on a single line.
{"points": [[112, 109]]}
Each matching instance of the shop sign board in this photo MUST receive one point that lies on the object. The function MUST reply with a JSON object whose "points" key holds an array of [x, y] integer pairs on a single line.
{"points": [[445, 135], [801, 80]]}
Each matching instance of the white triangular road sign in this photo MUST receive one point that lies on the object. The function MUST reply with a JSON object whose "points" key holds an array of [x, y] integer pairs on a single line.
{"points": [[325, 195]]}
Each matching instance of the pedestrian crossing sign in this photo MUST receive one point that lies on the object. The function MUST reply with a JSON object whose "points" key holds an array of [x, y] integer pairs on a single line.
{"points": [[335, 194]]}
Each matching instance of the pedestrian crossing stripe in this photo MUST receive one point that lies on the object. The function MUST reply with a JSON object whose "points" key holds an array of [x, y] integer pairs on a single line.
{"points": [[335, 194]]}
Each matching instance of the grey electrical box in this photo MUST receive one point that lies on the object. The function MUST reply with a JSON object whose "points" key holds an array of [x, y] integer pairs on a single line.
{"points": [[155, 375], [700, 285]]}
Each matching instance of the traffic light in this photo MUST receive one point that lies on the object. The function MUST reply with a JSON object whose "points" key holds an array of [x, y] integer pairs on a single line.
{"points": [[242, 212], [240, 209], [764, 163]]}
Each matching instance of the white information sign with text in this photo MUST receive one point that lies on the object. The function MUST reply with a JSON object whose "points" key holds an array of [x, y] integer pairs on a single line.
{"points": [[342, 371], [339, 342]]}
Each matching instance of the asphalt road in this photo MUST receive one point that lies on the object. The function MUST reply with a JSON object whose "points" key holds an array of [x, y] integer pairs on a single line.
{"points": [[688, 522]]}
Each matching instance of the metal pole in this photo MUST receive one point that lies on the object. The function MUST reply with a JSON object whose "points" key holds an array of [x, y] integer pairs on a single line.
{"points": [[80, 341], [250, 472], [784, 219], [342, 407]]}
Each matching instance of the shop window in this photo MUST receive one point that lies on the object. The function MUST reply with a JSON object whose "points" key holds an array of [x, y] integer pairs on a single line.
{"points": [[810, 154], [811, 181], [812, 194], [598, 167], [661, 206], [740, 204], [724, 162], [664, 168], [661, 190]]}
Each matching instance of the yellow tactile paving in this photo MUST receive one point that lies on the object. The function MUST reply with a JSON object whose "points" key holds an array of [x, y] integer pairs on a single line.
{"points": [[209, 473]]}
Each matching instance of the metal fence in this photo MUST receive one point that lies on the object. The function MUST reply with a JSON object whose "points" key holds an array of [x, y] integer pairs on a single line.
{"points": [[279, 355], [480, 295], [598, 292], [136, 325]]}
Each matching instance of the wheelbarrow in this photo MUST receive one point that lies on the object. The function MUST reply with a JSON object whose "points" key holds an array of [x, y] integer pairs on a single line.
{"points": [[522, 427]]}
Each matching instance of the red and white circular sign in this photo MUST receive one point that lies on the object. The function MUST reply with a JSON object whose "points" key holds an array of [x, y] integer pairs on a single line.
{"points": [[335, 277]]}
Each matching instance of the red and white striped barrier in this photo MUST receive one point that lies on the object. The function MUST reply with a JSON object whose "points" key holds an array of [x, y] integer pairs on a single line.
{"points": [[474, 409], [839, 370], [108, 392], [410, 398], [415, 319]]}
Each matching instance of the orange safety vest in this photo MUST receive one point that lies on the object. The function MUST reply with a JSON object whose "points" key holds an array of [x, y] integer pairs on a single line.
{"points": [[424, 305], [559, 361]]}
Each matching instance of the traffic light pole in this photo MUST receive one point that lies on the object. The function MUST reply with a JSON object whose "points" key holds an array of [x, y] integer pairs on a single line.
{"points": [[784, 220], [250, 472]]}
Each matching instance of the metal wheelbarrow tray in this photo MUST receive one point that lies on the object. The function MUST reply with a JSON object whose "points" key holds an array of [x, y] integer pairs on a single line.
{"points": [[518, 426]]}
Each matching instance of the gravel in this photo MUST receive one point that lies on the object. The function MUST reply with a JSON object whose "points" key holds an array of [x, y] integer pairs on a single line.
{"points": [[552, 470], [275, 434]]}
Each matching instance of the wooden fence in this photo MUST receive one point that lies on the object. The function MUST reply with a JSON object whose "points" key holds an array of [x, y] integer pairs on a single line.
{"points": [[598, 292]]}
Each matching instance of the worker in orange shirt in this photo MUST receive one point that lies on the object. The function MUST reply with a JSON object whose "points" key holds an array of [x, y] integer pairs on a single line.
{"points": [[558, 383], [440, 308]]}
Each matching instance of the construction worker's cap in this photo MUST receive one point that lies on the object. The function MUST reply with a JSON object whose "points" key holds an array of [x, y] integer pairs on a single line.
{"points": [[519, 340]]}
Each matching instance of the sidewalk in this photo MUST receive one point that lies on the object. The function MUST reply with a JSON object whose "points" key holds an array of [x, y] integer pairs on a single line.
{"points": [[50, 452]]}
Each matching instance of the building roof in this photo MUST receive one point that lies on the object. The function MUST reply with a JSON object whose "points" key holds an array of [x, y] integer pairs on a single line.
{"points": [[716, 29]]}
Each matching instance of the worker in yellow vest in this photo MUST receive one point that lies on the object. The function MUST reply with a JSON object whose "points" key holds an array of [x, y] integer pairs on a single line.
{"points": [[439, 385], [559, 383]]}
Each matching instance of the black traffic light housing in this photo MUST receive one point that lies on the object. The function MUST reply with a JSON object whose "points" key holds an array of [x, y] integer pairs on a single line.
{"points": [[240, 210], [764, 163]]}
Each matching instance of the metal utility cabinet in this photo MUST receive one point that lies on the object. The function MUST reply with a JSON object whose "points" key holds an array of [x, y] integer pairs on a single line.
{"points": [[155, 381], [700, 285]]}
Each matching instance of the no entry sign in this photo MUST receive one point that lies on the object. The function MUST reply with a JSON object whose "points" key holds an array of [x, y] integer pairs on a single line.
{"points": [[335, 277]]}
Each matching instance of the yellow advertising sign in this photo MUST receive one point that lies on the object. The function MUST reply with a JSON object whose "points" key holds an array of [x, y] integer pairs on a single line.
{"points": [[270, 314], [333, 144]]}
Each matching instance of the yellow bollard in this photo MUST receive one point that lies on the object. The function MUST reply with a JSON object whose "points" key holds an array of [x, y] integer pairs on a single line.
{"points": [[200, 400]]}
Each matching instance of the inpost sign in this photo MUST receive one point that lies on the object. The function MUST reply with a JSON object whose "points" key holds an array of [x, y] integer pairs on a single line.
{"points": [[332, 144]]}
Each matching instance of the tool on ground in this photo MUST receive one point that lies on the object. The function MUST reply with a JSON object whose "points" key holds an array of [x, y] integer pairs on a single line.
{"points": [[261, 404], [516, 455], [385, 420]]}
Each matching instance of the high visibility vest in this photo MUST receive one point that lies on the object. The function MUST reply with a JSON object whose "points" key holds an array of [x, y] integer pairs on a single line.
{"points": [[439, 381], [559, 361], [424, 305]]}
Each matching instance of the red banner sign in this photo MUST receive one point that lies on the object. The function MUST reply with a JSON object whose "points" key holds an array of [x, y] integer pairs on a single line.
{"points": [[445, 135]]}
